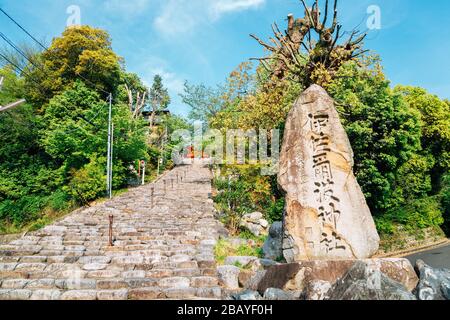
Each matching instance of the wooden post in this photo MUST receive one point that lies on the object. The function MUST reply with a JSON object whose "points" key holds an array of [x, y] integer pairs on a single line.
{"points": [[153, 196], [111, 220]]}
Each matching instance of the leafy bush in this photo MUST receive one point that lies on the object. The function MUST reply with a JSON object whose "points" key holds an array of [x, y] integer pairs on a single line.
{"points": [[23, 210], [276, 209], [233, 200], [445, 201], [242, 189], [224, 249], [419, 214], [88, 183]]}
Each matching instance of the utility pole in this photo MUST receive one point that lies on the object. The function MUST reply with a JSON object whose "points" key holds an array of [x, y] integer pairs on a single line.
{"points": [[111, 162], [109, 155], [143, 172]]}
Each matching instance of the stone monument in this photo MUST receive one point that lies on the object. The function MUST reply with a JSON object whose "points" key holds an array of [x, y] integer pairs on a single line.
{"points": [[326, 216]]}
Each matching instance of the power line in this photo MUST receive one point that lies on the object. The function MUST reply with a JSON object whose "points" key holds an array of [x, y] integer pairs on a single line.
{"points": [[45, 48], [23, 29], [14, 46], [11, 63]]}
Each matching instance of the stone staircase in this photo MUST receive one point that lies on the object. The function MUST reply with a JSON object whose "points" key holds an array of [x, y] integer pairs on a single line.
{"points": [[163, 247]]}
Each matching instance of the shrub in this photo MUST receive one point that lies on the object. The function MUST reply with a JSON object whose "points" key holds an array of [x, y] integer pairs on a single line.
{"points": [[88, 183], [275, 212], [23, 210], [445, 201], [419, 214]]}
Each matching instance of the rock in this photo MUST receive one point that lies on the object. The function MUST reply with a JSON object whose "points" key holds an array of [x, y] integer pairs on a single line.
{"points": [[79, 295], [175, 282], [94, 259], [180, 293], [400, 270], [326, 213], [121, 294], [45, 295], [205, 282], [273, 246], [278, 276], [146, 293], [318, 290], [255, 223], [253, 217], [20, 294], [263, 223], [255, 229], [297, 276], [253, 282], [14, 283], [434, 284], [111, 284], [239, 261], [94, 267], [260, 264], [366, 282], [245, 276], [209, 293], [247, 295], [277, 294], [228, 276]]}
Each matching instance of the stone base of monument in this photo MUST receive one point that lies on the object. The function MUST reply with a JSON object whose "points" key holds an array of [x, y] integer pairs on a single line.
{"points": [[377, 279]]}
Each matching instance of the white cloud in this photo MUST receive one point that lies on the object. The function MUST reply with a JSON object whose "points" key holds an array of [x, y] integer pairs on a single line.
{"points": [[128, 8], [181, 17], [178, 16], [221, 7]]}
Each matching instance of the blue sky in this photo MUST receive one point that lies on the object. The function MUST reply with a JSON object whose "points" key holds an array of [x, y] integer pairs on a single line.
{"points": [[203, 40]]}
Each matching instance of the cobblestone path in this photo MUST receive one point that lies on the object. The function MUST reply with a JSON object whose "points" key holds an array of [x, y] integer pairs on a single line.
{"points": [[163, 248]]}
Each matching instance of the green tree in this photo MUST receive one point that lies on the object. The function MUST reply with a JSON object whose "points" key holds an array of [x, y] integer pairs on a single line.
{"points": [[383, 129], [159, 98], [435, 122], [75, 134], [80, 53], [204, 102]]}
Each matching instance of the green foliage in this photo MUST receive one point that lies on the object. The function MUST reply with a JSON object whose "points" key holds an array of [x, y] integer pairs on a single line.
{"points": [[159, 95], [203, 101], [276, 209], [435, 120], [81, 52], [53, 149], [206, 103], [87, 183], [224, 249], [419, 214], [383, 129], [241, 189], [445, 201], [22, 210]]}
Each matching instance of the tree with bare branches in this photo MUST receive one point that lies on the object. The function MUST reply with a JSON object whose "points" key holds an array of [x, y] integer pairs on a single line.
{"points": [[310, 49], [136, 106]]}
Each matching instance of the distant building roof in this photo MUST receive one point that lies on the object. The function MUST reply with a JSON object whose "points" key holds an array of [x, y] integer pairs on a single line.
{"points": [[158, 113]]}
